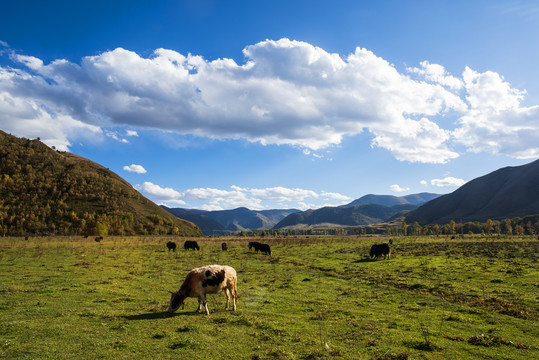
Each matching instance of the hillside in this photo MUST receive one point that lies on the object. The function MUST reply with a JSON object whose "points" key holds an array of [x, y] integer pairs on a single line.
{"points": [[342, 216], [505, 193], [207, 225], [233, 220], [44, 192], [390, 200]]}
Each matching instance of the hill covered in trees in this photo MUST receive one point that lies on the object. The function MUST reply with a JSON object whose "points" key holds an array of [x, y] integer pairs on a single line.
{"points": [[45, 192]]}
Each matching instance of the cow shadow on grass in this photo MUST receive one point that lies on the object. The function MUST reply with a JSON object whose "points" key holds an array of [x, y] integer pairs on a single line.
{"points": [[364, 260], [159, 315]]}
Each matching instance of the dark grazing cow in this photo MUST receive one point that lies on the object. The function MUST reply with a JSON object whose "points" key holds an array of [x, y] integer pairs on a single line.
{"points": [[171, 245], [191, 245], [254, 244], [98, 238], [378, 250], [210, 279], [265, 248], [390, 241], [224, 247]]}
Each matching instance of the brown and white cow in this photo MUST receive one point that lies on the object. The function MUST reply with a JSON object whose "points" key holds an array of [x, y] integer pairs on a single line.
{"points": [[210, 279]]}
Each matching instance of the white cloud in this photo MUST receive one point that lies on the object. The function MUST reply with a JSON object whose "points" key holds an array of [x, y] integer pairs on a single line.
{"points": [[159, 192], [437, 74], [423, 182], [397, 188], [115, 136], [335, 196], [417, 141], [139, 169], [30, 61], [287, 92], [256, 199], [447, 181], [131, 133], [495, 122]]}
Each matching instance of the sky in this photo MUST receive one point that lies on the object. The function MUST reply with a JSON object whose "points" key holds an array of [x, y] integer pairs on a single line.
{"points": [[276, 104]]}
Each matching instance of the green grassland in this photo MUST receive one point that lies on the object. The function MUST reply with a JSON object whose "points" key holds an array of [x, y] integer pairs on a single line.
{"points": [[315, 298]]}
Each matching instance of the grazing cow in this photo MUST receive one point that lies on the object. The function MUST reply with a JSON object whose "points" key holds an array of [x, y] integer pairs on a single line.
{"points": [[171, 245], [224, 247], [378, 250], [265, 248], [390, 241], [191, 245], [98, 238], [210, 279]]}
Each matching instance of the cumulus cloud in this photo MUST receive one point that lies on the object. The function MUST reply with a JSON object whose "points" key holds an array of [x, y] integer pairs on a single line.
{"points": [[398, 188], [448, 181], [334, 196], [496, 122], [139, 169], [131, 133], [286, 92], [436, 73], [159, 192], [252, 198]]}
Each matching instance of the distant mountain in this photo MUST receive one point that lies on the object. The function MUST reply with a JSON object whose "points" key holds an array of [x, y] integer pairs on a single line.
{"points": [[207, 225], [505, 193], [232, 220], [343, 216], [390, 200], [46, 192]]}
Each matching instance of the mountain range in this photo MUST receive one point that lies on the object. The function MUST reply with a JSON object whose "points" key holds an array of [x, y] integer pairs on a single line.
{"points": [[505, 193], [390, 200], [367, 210], [224, 221]]}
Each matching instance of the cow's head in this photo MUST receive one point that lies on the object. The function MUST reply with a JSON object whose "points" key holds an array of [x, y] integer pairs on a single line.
{"points": [[176, 300]]}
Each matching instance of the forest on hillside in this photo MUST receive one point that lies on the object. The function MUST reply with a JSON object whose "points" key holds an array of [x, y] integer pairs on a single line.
{"points": [[46, 192]]}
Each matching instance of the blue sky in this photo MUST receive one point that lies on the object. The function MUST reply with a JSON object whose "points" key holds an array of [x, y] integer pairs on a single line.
{"points": [[276, 104]]}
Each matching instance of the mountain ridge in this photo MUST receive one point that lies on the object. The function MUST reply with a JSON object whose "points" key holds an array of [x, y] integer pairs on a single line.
{"points": [[508, 192]]}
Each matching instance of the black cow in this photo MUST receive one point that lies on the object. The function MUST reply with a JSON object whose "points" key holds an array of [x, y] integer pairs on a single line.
{"points": [[265, 248], [191, 245], [390, 241], [224, 247], [254, 244], [378, 250], [98, 238], [171, 245]]}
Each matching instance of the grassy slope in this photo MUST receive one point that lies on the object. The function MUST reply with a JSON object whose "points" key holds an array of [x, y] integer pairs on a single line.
{"points": [[316, 298]]}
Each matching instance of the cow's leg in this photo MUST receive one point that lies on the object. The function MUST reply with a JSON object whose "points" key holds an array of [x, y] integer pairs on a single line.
{"points": [[234, 293], [205, 304], [227, 293], [199, 304]]}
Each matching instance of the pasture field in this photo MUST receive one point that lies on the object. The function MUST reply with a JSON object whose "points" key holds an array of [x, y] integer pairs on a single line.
{"points": [[315, 298]]}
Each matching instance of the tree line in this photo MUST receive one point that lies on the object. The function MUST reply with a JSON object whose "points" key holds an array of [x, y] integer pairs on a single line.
{"points": [[528, 225]]}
